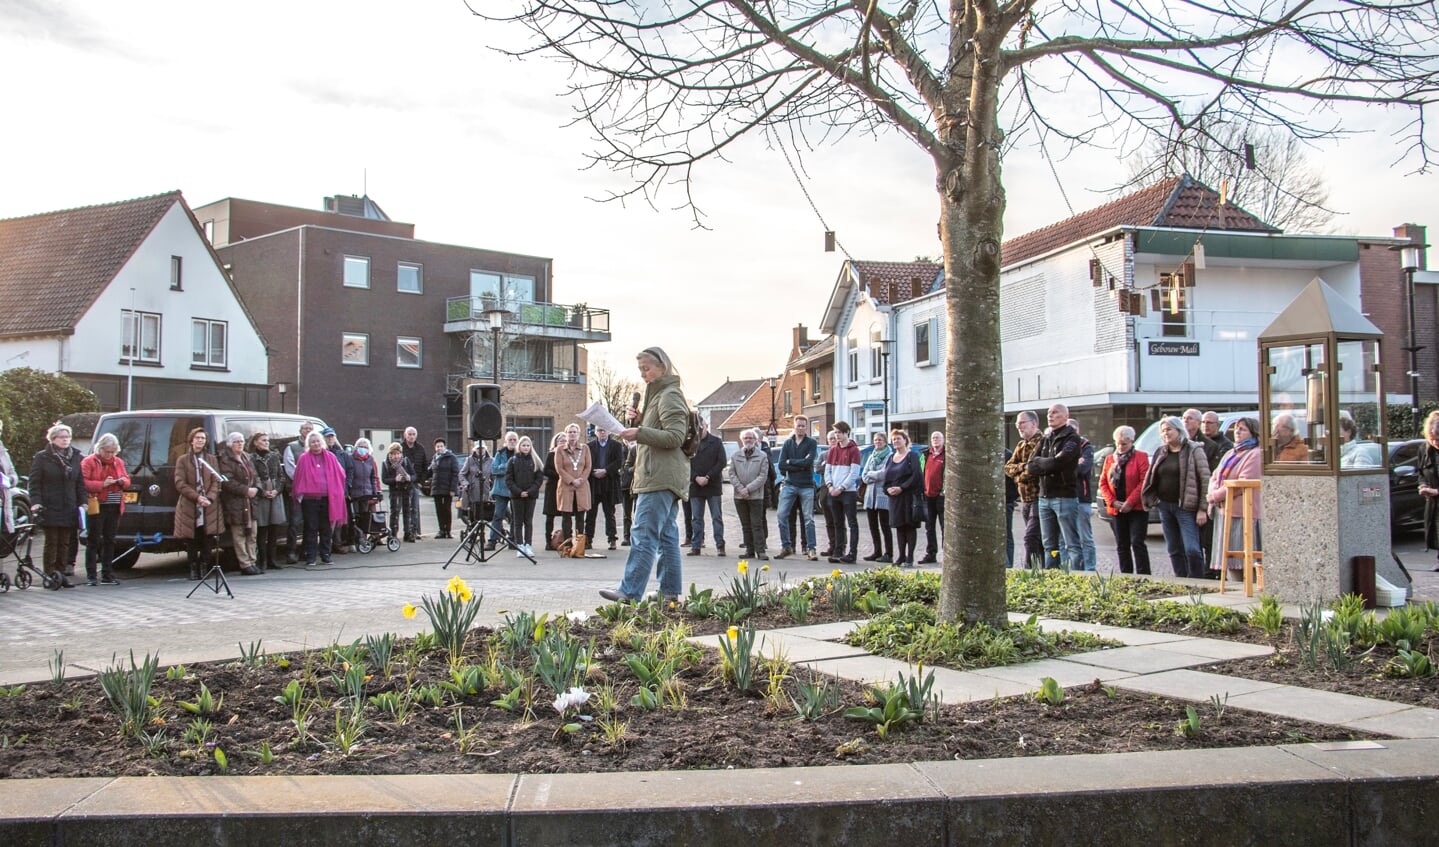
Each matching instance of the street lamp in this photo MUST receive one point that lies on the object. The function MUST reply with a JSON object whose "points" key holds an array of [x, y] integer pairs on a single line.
{"points": [[884, 346], [496, 317], [1409, 262], [284, 389], [773, 430]]}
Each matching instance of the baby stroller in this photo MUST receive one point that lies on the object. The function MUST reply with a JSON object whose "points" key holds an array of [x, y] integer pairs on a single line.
{"points": [[370, 525], [17, 545]]}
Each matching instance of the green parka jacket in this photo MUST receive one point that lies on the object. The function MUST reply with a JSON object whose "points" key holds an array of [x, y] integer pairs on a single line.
{"points": [[660, 464]]}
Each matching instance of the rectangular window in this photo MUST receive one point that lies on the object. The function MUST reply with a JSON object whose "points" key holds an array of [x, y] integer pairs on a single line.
{"points": [[209, 344], [176, 278], [1173, 306], [922, 344], [876, 355], [852, 360], [140, 337], [355, 348], [789, 402], [357, 272], [407, 352], [210, 231], [410, 278]]}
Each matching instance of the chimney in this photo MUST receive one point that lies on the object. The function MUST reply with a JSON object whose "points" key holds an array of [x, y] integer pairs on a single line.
{"points": [[801, 337]]}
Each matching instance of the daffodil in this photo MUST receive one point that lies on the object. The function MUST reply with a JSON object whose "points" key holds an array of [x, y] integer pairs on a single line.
{"points": [[743, 566], [836, 573], [829, 586], [456, 586], [408, 610], [732, 633], [465, 594], [764, 568]]}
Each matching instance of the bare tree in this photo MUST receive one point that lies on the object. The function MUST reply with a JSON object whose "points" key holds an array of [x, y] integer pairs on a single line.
{"points": [[610, 388], [666, 85], [1281, 188]]}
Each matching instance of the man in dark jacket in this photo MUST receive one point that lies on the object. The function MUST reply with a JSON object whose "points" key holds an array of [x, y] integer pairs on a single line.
{"points": [[1055, 464], [411, 449], [444, 485], [607, 456], [796, 468], [707, 488]]}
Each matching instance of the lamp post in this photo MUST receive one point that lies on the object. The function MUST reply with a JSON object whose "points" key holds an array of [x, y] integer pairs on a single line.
{"points": [[1409, 262], [773, 430], [496, 317], [884, 345], [284, 389]]}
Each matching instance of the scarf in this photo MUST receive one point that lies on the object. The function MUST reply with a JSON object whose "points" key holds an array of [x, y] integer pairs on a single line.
{"points": [[1116, 475], [398, 467], [1234, 456]]}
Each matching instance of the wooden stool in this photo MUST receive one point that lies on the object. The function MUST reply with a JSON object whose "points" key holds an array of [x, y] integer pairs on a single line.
{"points": [[1253, 559]]}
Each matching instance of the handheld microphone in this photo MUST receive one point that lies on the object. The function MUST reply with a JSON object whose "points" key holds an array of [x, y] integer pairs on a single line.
{"points": [[635, 401]]}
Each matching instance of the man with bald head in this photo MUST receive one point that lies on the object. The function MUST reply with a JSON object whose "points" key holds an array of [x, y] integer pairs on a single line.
{"points": [[1055, 464], [1288, 446]]}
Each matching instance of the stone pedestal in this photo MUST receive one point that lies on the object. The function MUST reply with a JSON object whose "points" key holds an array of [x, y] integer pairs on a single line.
{"points": [[1313, 528]]}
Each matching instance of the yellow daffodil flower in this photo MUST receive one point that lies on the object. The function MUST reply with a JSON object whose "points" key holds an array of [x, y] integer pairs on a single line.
{"points": [[408, 610], [732, 633], [836, 573], [465, 594], [829, 586], [765, 568], [743, 567]]}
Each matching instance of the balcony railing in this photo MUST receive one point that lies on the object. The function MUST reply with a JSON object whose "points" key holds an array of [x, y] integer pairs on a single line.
{"points": [[577, 316], [552, 375]]}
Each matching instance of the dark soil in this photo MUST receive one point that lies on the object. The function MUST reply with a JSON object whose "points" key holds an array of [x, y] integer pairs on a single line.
{"points": [[70, 730]]}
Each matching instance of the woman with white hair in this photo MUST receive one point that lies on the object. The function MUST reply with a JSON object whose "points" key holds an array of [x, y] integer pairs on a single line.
{"points": [[749, 473], [1121, 484], [238, 488], [105, 484], [1176, 484], [57, 485]]}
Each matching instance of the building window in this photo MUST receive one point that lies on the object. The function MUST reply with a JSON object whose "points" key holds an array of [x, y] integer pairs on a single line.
{"points": [[540, 430], [511, 288], [1173, 305], [209, 227], [852, 363], [176, 277], [876, 354], [210, 344], [410, 278], [926, 347], [788, 402], [407, 352], [357, 272], [143, 327], [355, 348]]}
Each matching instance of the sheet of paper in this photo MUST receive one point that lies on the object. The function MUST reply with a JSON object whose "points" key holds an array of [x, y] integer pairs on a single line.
{"points": [[599, 416]]}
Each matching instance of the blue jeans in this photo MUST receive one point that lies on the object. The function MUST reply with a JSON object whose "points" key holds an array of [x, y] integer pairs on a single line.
{"points": [[1181, 537], [787, 495], [1059, 531], [1084, 524], [497, 525], [654, 543], [697, 512]]}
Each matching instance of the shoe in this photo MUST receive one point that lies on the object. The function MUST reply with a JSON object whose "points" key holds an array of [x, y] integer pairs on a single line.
{"points": [[811, 555], [309, 564], [612, 541], [886, 559], [614, 596], [250, 570], [529, 551], [109, 579], [291, 559], [694, 551], [91, 582], [624, 543], [325, 561], [833, 560], [719, 551], [69, 570], [783, 553], [685, 542], [928, 560], [194, 572], [274, 566], [761, 557], [827, 553], [65, 581], [873, 557], [846, 560]]}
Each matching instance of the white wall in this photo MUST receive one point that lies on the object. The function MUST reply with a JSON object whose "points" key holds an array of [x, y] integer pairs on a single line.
{"points": [[42, 354], [96, 345], [919, 386], [855, 324]]}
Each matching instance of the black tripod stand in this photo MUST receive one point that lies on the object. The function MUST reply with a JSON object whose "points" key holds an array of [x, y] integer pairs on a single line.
{"points": [[214, 578], [472, 542]]}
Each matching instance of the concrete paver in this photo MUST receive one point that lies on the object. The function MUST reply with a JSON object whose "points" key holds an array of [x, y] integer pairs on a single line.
{"points": [[1311, 705], [1141, 659], [1215, 648], [1198, 686], [1409, 723], [1064, 672]]}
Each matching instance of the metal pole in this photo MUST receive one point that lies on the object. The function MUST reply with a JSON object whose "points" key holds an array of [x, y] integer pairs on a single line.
{"points": [[135, 344], [772, 426], [496, 331], [884, 373], [1413, 349]]}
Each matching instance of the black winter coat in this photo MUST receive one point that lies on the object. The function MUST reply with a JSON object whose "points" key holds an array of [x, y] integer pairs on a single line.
{"points": [[56, 484], [419, 459], [610, 459], [709, 462], [552, 481], [522, 475], [1428, 469], [1055, 462], [445, 475]]}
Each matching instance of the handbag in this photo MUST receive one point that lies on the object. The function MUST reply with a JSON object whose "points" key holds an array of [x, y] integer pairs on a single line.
{"points": [[92, 505]]}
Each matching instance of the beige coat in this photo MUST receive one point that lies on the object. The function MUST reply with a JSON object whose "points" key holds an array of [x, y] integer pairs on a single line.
{"points": [[573, 465], [192, 479]]}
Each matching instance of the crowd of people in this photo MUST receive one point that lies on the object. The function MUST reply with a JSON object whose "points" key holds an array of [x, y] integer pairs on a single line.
{"points": [[1184, 480]]}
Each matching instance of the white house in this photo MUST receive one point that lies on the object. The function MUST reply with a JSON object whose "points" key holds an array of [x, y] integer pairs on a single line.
{"points": [[129, 300]]}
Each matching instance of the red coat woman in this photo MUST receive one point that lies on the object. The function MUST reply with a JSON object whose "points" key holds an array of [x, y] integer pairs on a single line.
{"points": [[106, 481], [1121, 484]]}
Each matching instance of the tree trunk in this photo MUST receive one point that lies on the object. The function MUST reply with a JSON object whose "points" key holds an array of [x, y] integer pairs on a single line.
{"points": [[971, 228]]}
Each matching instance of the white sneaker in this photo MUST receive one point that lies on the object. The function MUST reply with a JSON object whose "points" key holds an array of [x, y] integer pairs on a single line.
{"points": [[519, 551], [529, 551]]}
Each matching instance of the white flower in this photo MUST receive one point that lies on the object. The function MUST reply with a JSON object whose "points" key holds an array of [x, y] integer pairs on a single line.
{"points": [[578, 616], [574, 698]]}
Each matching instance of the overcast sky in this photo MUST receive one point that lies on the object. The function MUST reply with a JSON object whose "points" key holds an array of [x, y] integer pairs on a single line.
{"points": [[290, 102]]}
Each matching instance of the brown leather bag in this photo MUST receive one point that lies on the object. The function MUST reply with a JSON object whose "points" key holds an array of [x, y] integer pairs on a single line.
{"points": [[573, 548]]}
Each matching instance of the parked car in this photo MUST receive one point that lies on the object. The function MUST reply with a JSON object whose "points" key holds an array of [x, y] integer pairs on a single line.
{"points": [[151, 440]]}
